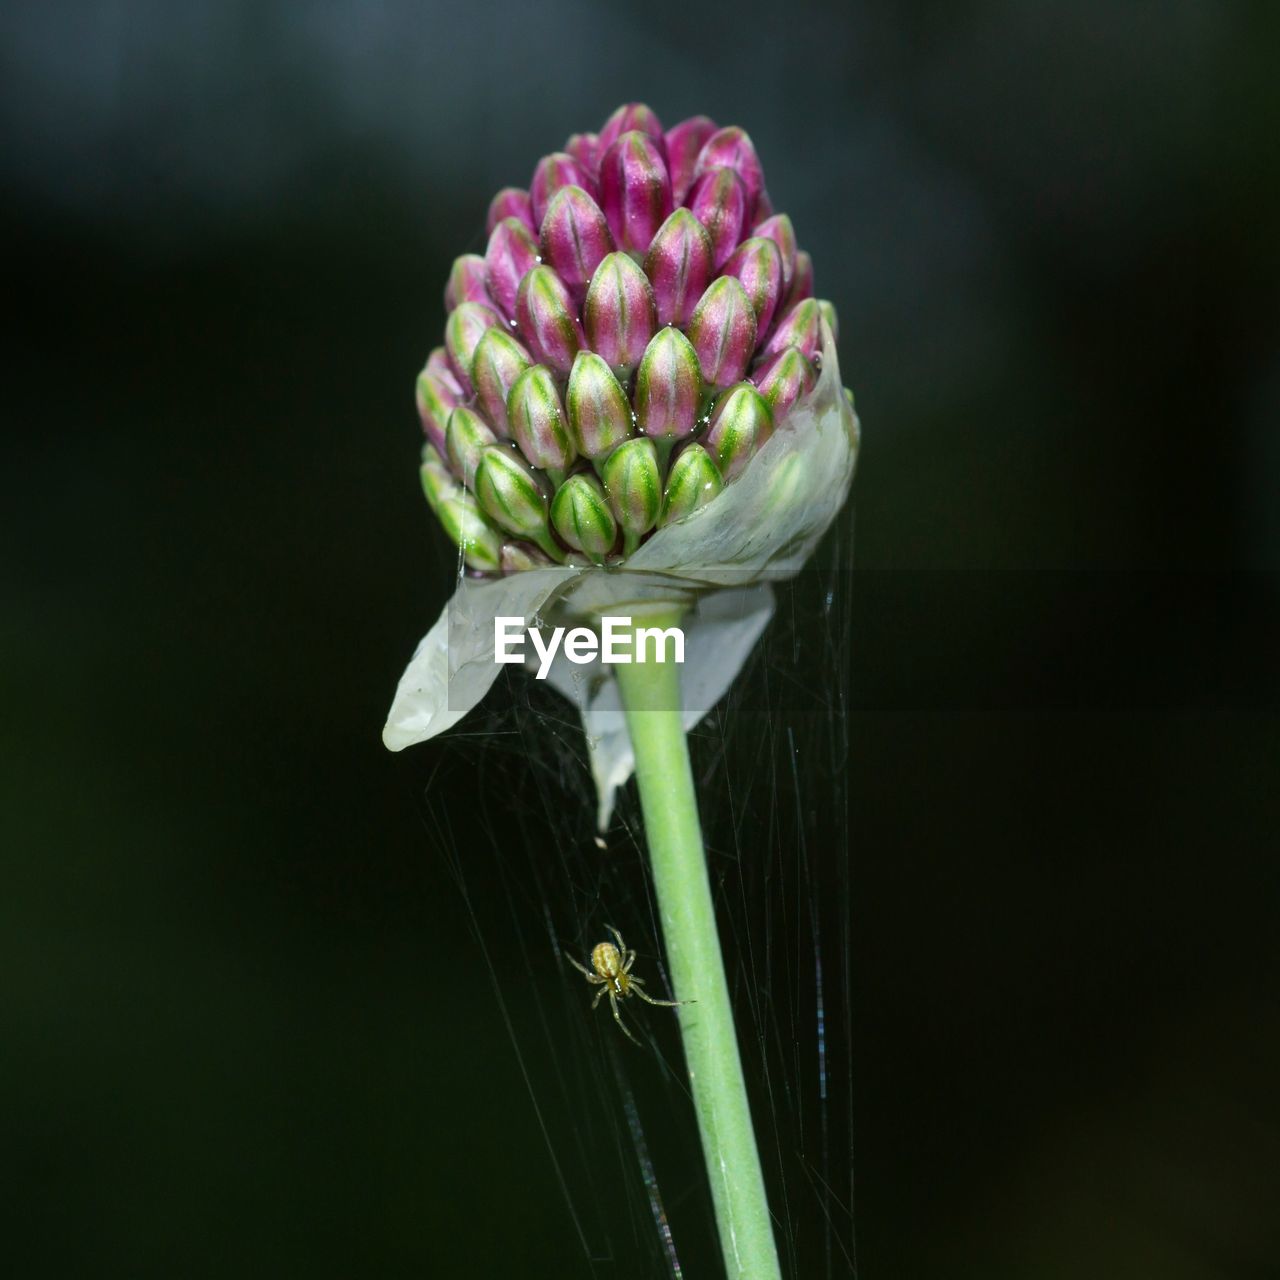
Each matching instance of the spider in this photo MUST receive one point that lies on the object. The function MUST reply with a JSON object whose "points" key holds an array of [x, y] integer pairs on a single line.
{"points": [[612, 975]]}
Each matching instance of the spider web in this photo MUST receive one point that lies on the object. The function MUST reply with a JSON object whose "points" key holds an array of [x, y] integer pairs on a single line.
{"points": [[510, 806]]}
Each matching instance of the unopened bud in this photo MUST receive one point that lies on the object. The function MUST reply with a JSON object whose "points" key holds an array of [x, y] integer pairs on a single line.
{"points": [[758, 266], [585, 149], [545, 315], [575, 238], [668, 386], [719, 201], [438, 482], [581, 516], [620, 314], [510, 202], [784, 379], [779, 229], [829, 315], [462, 333], [731, 148], [479, 542], [510, 494], [498, 361], [518, 556], [802, 281], [598, 412], [684, 144], [554, 173], [512, 252], [740, 424], [693, 481], [631, 116], [436, 400], [465, 438], [633, 482], [723, 332], [800, 327], [678, 265], [468, 282], [538, 423], [635, 190]]}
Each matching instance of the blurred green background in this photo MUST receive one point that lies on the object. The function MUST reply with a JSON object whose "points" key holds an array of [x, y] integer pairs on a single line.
{"points": [[246, 1026]]}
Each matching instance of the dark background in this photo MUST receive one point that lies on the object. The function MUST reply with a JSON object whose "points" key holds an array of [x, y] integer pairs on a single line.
{"points": [[247, 1028]]}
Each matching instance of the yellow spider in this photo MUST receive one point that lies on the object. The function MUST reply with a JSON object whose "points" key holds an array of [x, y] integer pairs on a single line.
{"points": [[612, 975]]}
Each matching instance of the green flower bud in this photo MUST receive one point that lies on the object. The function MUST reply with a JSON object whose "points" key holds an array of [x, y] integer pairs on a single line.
{"points": [[465, 438], [693, 482], [510, 494], [518, 556], [740, 424], [497, 362], [581, 515], [599, 415], [538, 423], [668, 386], [479, 542], [438, 482], [633, 483]]}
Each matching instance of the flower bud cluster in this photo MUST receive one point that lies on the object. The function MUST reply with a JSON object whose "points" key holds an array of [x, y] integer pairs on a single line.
{"points": [[638, 326]]}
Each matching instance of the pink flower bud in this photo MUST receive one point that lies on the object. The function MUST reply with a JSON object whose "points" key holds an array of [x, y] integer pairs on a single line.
{"points": [[783, 379], [468, 282], [554, 173], [678, 265], [620, 314], [668, 386], [800, 327], [783, 234], [512, 252], [510, 202], [585, 149], [635, 190], [498, 361], [575, 238], [438, 365], [436, 400], [631, 116], [732, 149], [462, 332], [757, 264], [723, 332], [538, 423], [599, 415], [546, 318], [802, 282], [719, 201], [684, 145]]}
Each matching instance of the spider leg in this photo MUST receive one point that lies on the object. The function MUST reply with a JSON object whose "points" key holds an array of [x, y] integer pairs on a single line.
{"points": [[599, 995], [617, 1017], [630, 959], [582, 968], [622, 946], [648, 999]]}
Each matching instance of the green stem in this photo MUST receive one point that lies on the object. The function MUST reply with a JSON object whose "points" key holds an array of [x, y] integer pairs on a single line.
{"points": [[651, 697]]}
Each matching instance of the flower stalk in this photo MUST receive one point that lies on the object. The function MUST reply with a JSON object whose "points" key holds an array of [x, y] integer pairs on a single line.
{"points": [[651, 699]]}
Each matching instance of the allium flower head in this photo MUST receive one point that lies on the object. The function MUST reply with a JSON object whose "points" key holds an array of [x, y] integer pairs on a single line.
{"points": [[636, 403], [640, 288]]}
